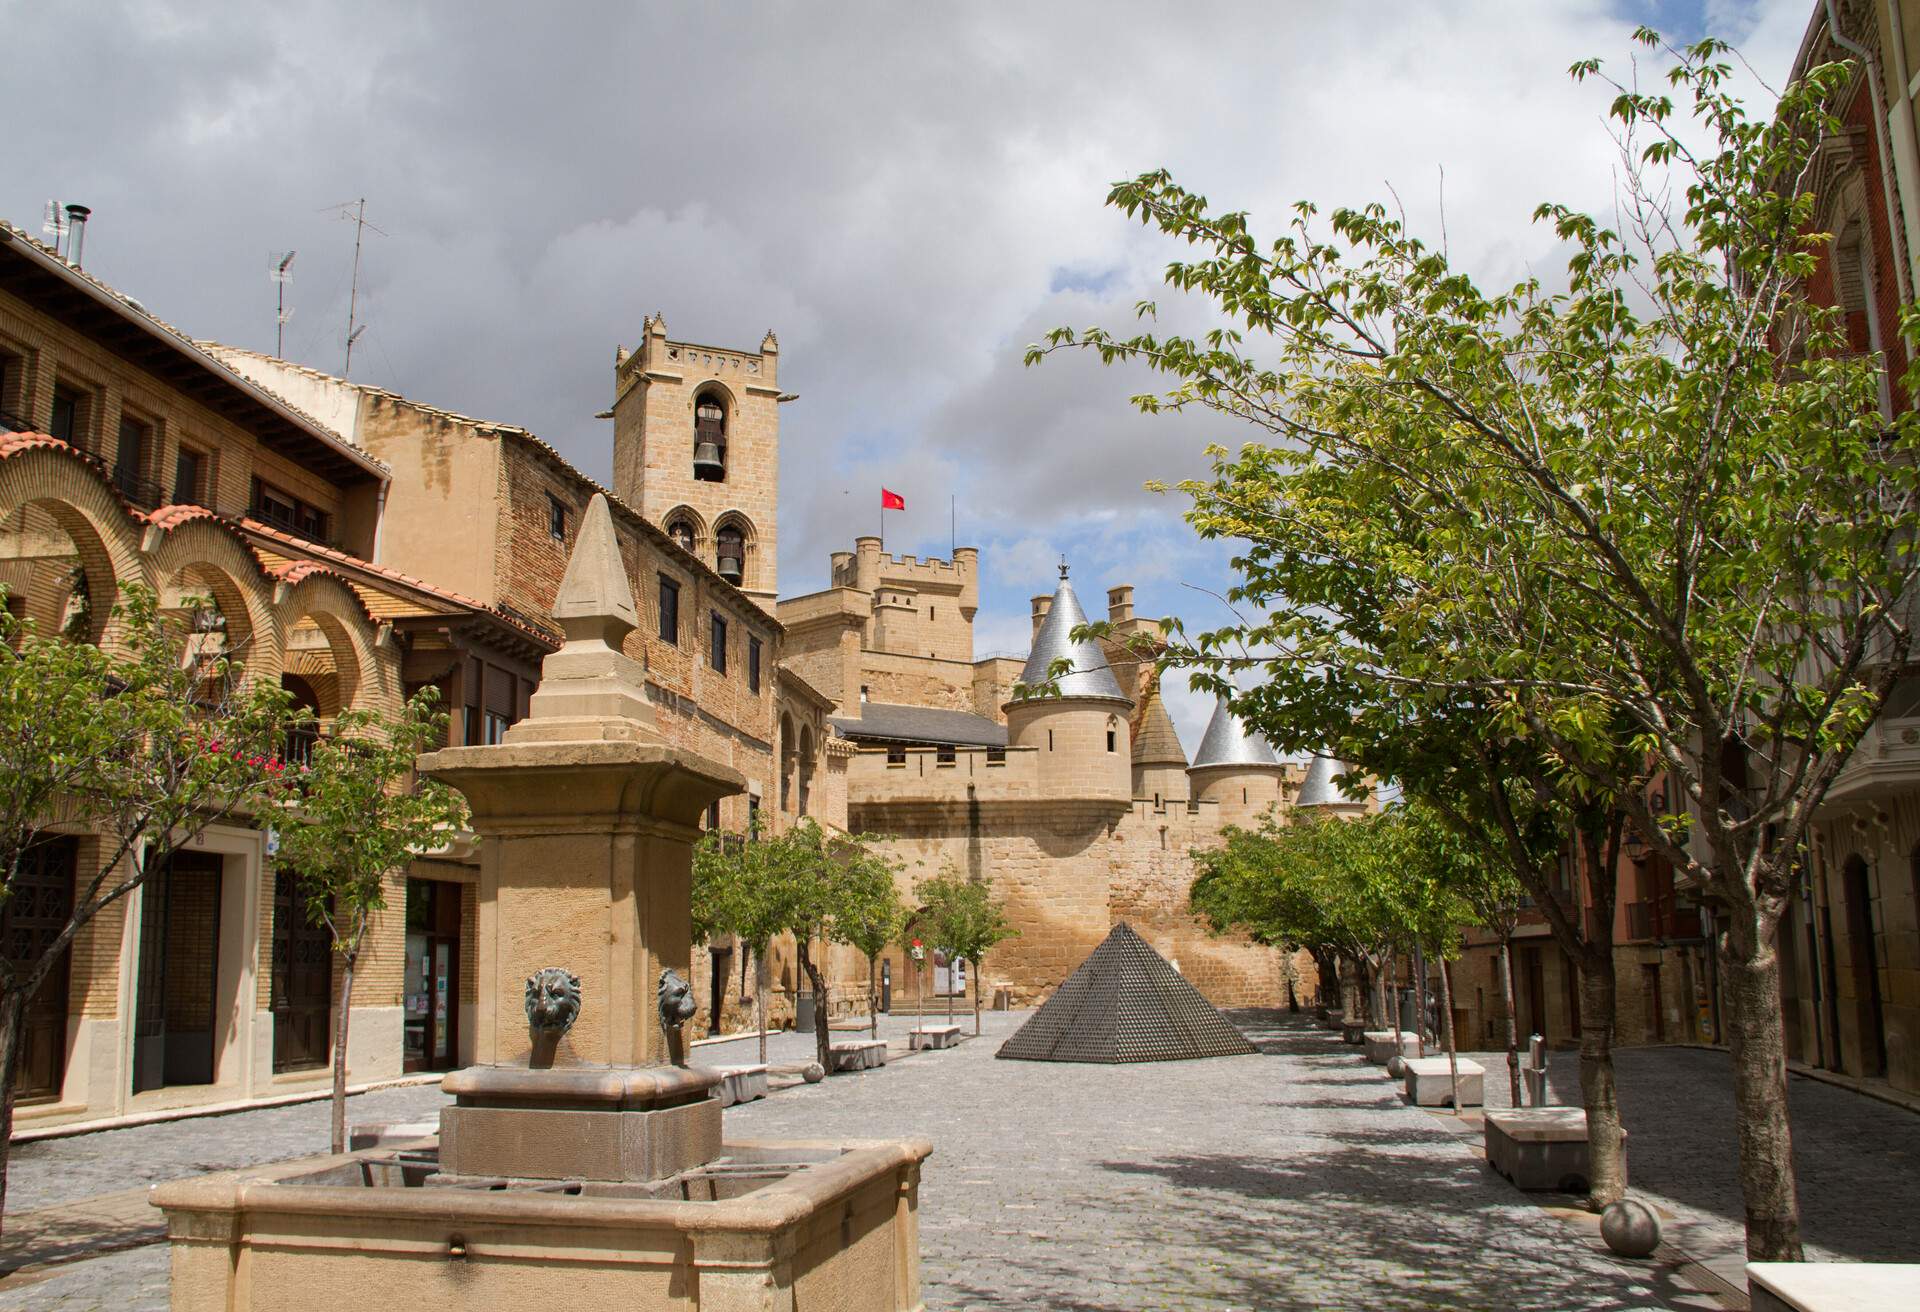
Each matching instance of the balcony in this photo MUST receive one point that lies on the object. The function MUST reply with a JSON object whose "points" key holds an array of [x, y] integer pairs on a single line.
{"points": [[1650, 921], [1887, 760], [144, 493]]}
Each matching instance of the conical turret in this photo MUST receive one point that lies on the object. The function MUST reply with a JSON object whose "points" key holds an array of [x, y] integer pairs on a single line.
{"points": [[1318, 791], [1091, 675], [1236, 769], [1159, 762]]}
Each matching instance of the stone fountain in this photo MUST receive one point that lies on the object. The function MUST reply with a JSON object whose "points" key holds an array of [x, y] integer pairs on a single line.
{"points": [[583, 1162]]}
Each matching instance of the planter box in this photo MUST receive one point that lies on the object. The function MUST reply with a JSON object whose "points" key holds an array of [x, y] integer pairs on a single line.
{"points": [[1429, 1085], [1540, 1148], [1832, 1286]]}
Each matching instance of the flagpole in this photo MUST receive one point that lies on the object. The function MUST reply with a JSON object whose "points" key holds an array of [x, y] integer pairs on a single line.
{"points": [[953, 527]]}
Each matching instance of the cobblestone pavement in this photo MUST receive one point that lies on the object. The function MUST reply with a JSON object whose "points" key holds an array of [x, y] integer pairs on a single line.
{"points": [[1858, 1159], [1291, 1179]]}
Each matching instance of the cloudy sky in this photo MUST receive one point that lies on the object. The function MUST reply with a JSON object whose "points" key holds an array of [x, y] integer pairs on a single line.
{"points": [[907, 194]]}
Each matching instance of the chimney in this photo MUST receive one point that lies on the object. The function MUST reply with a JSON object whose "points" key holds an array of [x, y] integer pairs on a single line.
{"points": [[1120, 604], [76, 232], [1041, 605]]}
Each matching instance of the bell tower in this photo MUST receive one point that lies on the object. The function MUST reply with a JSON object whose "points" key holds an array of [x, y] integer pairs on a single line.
{"points": [[696, 449]]}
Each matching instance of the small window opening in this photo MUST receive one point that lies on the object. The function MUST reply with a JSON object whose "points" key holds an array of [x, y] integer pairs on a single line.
{"points": [[717, 644], [669, 611], [996, 756], [1113, 740], [943, 755], [753, 665], [556, 518], [896, 756], [1049, 740]]}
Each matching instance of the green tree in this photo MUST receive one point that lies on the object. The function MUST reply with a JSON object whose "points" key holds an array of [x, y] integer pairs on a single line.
{"points": [[871, 916], [965, 918], [1664, 522], [737, 890], [145, 742], [357, 813]]}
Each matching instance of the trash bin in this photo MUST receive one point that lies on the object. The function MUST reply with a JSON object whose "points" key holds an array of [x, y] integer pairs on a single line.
{"points": [[886, 987], [803, 1010]]}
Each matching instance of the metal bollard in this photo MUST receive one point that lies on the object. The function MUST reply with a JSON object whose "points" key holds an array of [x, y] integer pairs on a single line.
{"points": [[1535, 1071]]}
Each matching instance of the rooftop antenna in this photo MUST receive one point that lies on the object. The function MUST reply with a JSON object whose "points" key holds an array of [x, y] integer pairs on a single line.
{"points": [[355, 210], [280, 270]]}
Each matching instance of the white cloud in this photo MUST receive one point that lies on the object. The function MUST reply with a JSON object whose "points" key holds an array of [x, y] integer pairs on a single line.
{"points": [[908, 196]]}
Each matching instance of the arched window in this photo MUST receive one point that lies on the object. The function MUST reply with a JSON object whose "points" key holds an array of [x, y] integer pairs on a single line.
{"points": [[709, 439], [681, 531], [730, 555]]}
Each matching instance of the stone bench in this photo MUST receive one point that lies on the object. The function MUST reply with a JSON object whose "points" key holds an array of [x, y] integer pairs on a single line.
{"points": [[1832, 1286], [1379, 1045], [932, 1036], [860, 1055], [1428, 1083], [1332, 1020], [1351, 1031], [740, 1084], [1539, 1147]]}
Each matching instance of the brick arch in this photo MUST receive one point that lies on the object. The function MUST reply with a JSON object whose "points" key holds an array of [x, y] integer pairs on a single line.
{"points": [[199, 554], [360, 678], [43, 476]]}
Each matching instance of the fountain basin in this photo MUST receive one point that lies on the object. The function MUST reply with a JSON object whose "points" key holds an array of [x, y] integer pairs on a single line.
{"points": [[764, 1227]]}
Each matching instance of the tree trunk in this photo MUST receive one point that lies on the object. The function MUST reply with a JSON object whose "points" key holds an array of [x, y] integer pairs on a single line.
{"points": [[1512, 1020], [873, 998], [1757, 1042], [950, 961], [1446, 1028], [1393, 1002], [1420, 1002], [975, 967], [347, 962], [1599, 1092], [822, 1035], [761, 981], [1382, 987], [13, 1010]]}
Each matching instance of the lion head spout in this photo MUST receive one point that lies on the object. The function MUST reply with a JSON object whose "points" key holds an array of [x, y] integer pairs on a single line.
{"points": [[553, 1001]]}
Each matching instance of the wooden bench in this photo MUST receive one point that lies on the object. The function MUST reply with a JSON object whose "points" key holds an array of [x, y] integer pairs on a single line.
{"points": [[1540, 1147], [859, 1055], [1429, 1083], [932, 1036], [1832, 1286], [740, 1084]]}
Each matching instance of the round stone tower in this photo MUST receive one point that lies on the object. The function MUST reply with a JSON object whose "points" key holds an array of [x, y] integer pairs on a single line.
{"points": [[1159, 762], [1236, 769], [1081, 733]]}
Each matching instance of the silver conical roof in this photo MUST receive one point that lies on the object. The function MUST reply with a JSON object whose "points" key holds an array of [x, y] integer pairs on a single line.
{"points": [[1091, 676], [1318, 788], [1228, 742]]}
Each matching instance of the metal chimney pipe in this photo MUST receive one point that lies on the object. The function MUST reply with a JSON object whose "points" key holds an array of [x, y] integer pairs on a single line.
{"points": [[76, 232]]}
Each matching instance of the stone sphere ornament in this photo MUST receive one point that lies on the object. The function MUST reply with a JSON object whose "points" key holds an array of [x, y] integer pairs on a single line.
{"points": [[813, 1072], [1631, 1228], [1396, 1066]]}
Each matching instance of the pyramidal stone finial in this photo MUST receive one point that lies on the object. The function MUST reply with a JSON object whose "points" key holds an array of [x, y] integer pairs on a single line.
{"points": [[595, 600]]}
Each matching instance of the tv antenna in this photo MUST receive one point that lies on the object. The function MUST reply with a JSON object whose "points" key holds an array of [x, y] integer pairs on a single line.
{"points": [[280, 270], [356, 211]]}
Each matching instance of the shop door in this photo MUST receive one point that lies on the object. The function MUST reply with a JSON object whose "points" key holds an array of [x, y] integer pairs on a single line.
{"points": [[433, 975], [302, 981], [176, 985], [40, 900]]}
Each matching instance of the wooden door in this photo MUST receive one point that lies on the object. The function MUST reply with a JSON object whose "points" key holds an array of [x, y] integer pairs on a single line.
{"points": [[39, 902], [302, 981], [175, 1035]]}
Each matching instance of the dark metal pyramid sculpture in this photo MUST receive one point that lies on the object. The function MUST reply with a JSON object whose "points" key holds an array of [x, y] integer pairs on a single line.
{"points": [[1125, 1003]]}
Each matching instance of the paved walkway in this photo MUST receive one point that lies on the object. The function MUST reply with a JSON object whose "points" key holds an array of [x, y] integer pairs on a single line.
{"points": [[1295, 1178]]}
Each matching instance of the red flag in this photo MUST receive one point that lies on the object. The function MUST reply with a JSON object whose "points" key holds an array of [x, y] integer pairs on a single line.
{"points": [[892, 500]]}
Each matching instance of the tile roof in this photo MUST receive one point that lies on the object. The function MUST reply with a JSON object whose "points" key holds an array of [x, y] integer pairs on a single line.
{"points": [[887, 722]]}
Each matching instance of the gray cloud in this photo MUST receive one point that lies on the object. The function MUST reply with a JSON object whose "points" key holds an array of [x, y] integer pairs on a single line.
{"points": [[907, 195]]}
